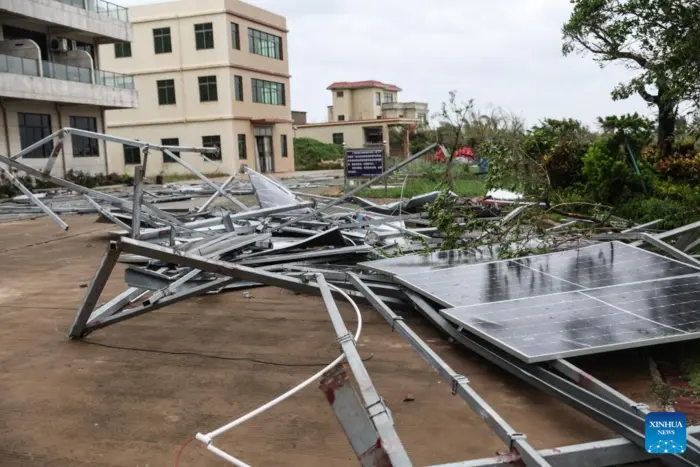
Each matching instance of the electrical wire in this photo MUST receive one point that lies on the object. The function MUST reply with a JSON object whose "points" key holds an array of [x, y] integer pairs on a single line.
{"points": [[216, 357], [209, 436], [181, 450]]}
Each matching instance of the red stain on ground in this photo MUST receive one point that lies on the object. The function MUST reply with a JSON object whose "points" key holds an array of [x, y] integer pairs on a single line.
{"points": [[686, 400]]}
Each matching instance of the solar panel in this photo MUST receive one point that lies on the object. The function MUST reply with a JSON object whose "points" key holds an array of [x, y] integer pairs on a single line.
{"points": [[574, 302], [597, 265], [436, 260], [588, 321]]}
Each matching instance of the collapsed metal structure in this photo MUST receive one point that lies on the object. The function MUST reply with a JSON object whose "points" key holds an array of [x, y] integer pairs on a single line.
{"points": [[313, 244]]}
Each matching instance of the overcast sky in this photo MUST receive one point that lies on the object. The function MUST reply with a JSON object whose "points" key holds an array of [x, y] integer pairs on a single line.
{"points": [[501, 53]]}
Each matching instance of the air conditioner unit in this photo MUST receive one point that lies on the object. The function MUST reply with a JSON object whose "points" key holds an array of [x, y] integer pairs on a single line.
{"points": [[59, 45]]}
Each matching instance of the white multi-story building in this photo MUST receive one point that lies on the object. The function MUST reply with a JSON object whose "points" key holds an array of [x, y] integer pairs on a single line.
{"points": [[209, 73], [51, 77]]}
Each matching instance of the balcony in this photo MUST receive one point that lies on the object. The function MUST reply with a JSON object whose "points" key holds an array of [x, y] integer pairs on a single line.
{"points": [[85, 20], [101, 7], [57, 82], [412, 110]]}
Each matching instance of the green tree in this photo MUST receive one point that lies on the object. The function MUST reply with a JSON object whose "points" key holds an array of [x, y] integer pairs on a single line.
{"points": [[658, 38]]}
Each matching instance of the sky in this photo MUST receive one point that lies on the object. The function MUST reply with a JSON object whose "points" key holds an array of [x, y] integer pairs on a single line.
{"points": [[501, 53]]}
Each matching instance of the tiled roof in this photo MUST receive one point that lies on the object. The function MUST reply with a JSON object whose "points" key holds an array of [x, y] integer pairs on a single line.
{"points": [[363, 84]]}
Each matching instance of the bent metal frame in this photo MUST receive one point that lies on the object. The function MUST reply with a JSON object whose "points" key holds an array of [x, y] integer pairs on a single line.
{"points": [[558, 378]]}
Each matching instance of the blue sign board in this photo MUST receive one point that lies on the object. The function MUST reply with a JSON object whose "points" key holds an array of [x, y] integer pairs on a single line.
{"points": [[364, 162], [665, 432]]}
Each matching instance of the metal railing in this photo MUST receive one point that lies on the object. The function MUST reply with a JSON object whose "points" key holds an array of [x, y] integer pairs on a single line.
{"points": [[115, 80], [102, 7], [18, 65], [66, 72], [53, 70]]}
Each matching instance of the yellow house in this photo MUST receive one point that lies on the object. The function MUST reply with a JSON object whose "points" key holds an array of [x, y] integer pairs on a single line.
{"points": [[209, 72], [362, 114]]}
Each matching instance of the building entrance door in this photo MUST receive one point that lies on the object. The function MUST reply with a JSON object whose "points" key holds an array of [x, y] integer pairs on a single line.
{"points": [[263, 149]]}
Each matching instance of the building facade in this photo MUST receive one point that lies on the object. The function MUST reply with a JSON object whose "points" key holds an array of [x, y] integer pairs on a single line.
{"points": [[363, 114], [209, 72], [52, 76]]}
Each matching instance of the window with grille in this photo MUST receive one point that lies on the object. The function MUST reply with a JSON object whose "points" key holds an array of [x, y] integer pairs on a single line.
{"points": [[34, 128], [207, 89], [132, 154], [204, 36], [170, 142], [161, 41], [262, 43], [212, 142], [122, 49], [242, 151], [285, 148], [235, 36], [166, 92], [82, 145], [238, 85], [268, 92]]}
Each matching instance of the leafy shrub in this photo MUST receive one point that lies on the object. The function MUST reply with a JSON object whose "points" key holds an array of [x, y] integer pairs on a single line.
{"points": [[559, 145], [674, 212], [76, 176], [677, 167], [608, 177], [309, 154]]}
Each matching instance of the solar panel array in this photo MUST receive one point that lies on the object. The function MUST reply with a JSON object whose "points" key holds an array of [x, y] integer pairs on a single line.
{"points": [[590, 300]]}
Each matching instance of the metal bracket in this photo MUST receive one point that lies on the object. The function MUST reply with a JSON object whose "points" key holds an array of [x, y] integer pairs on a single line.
{"points": [[346, 338], [514, 438], [456, 381], [383, 410], [394, 320]]}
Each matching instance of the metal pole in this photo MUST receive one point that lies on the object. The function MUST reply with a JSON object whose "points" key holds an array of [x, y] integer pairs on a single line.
{"points": [[386, 180], [356, 190], [35, 200], [205, 180], [515, 440], [106, 213], [58, 148], [138, 194], [345, 167], [672, 251], [216, 194], [377, 409], [97, 284], [38, 144]]}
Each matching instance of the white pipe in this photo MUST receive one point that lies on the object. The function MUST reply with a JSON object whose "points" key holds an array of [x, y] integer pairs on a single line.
{"points": [[209, 437]]}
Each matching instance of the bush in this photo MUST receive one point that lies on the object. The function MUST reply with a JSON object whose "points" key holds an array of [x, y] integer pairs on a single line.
{"points": [[682, 168], [76, 176], [559, 145], [310, 154], [608, 176]]}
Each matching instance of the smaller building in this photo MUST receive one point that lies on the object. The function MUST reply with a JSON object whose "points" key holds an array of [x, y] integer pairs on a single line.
{"points": [[363, 114]]}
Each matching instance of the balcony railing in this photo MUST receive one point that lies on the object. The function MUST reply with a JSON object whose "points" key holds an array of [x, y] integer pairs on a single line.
{"points": [[102, 7], [53, 70], [18, 65]]}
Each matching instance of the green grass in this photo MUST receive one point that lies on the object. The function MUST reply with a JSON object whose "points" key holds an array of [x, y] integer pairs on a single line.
{"points": [[463, 187], [172, 178]]}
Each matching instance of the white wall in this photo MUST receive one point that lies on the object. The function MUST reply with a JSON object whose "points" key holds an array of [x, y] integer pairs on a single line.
{"points": [[68, 161]]}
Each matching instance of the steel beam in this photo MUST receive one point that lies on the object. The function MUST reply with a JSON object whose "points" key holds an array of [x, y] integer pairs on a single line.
{"points": [[608, 453], [35, 200], [671, 250], [378, 411], [352, 416], [36, 145], [97, 285], [211, 184], [217, 193], [106, 213], [138, 198], [515, 440]]}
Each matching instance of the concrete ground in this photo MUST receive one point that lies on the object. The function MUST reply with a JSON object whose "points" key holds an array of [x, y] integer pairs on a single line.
{"points": [[70, 404]]}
